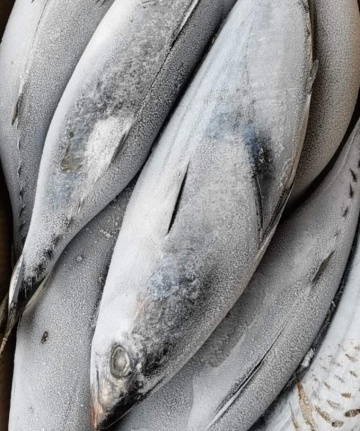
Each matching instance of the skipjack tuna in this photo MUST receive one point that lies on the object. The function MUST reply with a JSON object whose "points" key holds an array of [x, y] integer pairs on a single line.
{"points": [[336, 47], [40, 49], [121, 92], [206, 204]]}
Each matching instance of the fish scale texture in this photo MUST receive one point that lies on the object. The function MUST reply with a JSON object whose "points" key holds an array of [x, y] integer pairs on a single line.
{"points": [[40, 49], [120, 94], [326, 394], [336, 47], [52, 361], [263, 339], [207, 201]]}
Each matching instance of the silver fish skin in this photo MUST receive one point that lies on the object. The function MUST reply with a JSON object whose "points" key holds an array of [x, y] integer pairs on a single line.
{"points": [[206, 203], [336, 46], [291, 293], [122, 90], [255, 350], [52, 360], [41, 46], [330, 385]]}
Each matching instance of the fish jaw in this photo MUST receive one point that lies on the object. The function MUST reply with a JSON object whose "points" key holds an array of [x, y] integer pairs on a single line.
{"points": [[115, 385], [102, 418]]}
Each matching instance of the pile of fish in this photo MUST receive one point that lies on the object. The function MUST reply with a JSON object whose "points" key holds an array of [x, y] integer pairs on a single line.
{"points": [[184, 179]]}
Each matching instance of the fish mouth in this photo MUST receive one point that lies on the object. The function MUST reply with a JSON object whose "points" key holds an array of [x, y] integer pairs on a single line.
{"points": [[99, 416], [103, 418], [106, 414]]}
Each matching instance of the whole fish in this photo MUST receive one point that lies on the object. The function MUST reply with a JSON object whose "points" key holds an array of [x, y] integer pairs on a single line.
{"points": [[336, 46], [329, 387], [121, 92], [52, 362], [255, 350], [41, 47], [206, 203]]}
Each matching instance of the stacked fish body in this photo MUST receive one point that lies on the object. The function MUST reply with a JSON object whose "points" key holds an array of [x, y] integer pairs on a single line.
{"points": [[254, 351], [40, 49], [336, 47], [121, 91], [330, 386], [291, 300], [196, 307], [205, 205], [51, 378]]}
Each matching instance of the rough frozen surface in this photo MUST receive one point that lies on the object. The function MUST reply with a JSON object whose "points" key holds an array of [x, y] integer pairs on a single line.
{"points": [[254, 351], [52, 362], [327, 397], [40, 49], [121, 92], [208, 199], [336, 42]]}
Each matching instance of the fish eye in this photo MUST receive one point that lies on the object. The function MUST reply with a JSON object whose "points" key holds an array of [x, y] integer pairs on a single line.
{"points": [[120, 365]]}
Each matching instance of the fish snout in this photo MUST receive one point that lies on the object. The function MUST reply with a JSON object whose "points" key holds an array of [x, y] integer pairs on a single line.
{"points": [[105, 414], [97, 414], [111, 389]]}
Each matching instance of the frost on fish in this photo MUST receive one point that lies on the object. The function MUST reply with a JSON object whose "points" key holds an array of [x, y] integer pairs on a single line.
{"points": [[41, 47], [121, 92], [52, 362], [252, 354], [206, 203], [336, 46], [326, 395]]}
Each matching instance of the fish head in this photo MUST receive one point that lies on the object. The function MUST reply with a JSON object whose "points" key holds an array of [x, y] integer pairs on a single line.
{"points": [[133, 355], [116, 383]]}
